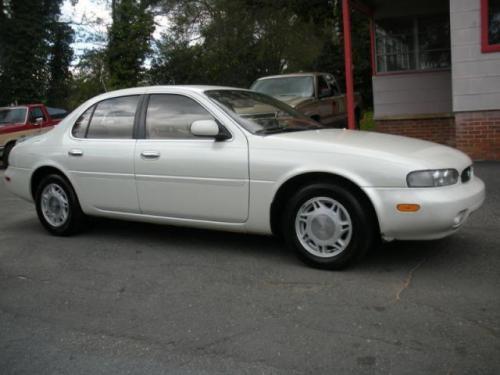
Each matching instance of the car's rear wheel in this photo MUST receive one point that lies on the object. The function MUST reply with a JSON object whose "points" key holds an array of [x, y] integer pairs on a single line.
{"points": [[328, 226], [57, 206]]}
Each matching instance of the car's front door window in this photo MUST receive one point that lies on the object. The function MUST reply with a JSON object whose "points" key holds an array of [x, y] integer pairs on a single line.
{"points": [[170, 116]]}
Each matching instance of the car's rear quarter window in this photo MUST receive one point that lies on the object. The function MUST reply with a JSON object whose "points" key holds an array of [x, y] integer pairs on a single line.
{"points": [[80, 127]]}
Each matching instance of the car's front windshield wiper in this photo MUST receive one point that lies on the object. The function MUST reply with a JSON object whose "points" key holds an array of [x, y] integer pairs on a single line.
{"points": [[279, 129]]}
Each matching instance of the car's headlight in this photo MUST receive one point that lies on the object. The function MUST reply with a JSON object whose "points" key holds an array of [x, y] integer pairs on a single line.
{"points": [[432, 178]]}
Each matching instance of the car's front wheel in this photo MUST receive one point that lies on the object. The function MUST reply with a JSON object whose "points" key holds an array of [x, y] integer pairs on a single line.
{"points": [[328, 226], [57, 206]]}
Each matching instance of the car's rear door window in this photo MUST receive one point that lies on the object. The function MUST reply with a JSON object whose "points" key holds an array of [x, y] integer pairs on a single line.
{"points": [[169, 116], [114, 118]]}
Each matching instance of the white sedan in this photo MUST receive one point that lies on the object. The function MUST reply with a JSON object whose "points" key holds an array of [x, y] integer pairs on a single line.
{"points": [[232, 159]]}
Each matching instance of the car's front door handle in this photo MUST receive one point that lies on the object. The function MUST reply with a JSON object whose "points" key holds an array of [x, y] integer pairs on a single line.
{"points": [[75, 152], [150, 154]]}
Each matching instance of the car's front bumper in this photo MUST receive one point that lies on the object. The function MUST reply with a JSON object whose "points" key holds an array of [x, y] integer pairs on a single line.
{"points": [[443, 210]]}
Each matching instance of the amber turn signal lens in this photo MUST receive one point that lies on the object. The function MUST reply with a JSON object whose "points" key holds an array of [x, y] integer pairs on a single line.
{"points": [[408, 207]]}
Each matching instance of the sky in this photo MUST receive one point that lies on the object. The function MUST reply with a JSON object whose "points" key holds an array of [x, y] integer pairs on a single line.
{"points": [[90, 17]]}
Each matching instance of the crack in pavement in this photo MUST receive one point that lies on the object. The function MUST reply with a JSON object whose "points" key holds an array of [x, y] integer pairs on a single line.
{"points": [[409, 279]]}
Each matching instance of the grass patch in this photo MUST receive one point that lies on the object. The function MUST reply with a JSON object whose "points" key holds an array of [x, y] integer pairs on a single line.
{"points": [[367, 122]]}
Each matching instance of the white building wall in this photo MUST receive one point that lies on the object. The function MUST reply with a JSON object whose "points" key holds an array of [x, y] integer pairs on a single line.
{"points": [[475, 75], [412, 94]]}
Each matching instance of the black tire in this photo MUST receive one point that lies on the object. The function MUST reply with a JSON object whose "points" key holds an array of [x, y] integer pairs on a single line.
{"points": [[6, 153], [75, 220], [363, 228]]}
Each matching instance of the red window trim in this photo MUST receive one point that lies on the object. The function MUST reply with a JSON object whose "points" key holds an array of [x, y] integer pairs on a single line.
{"points": [[486, 47]]}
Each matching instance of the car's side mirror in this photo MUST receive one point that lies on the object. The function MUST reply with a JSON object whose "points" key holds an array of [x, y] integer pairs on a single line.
{"points": [[209, 129], [38, 121]]}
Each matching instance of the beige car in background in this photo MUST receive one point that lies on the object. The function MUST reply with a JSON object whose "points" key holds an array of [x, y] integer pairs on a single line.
{"points": [[317, 95]]}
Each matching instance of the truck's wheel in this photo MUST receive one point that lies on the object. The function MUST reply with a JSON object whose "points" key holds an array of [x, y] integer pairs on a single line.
{"points": [[6, 153], [327, 226], [57, 206]]}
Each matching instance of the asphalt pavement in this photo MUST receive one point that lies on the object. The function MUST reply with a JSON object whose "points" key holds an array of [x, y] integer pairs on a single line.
{"points": [[129, 298]]}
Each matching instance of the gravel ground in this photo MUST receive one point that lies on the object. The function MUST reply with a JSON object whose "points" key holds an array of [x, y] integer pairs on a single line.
{"points": [[128, 298]]}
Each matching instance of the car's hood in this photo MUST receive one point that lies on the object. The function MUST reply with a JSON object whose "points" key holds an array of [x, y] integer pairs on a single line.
{"points": [[424, 154]]}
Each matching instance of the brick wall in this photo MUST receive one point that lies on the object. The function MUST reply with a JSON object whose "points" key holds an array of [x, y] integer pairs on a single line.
{"points": [[478, 134], [440, 130], [475, 133]]}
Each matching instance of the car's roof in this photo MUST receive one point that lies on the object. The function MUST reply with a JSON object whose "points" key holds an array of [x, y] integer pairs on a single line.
{"points": [[162, 89], [159, 88], [301, 74]]}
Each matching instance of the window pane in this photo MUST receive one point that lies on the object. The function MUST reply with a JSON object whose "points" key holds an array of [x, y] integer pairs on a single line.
{"points": [[35, 113], [171, 116], [434, 59], [413, 43], [494, 22], [434, 42], [323, 88], [12, 116], [299, 86], [81, 124], [114, 118], [395, 43]]}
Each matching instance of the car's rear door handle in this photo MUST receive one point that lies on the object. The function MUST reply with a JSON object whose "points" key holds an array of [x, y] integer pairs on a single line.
{"points": [[75, 152], [150, 154]]}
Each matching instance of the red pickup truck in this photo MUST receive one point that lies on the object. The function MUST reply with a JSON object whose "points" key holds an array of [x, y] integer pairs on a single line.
{"points": [[21, 121]]}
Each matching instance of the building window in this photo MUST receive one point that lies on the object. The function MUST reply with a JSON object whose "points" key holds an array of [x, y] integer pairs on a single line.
{"points": [[490, 25], [417, 43]]}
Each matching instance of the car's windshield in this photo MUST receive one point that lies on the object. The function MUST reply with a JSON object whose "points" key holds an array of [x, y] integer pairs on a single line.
{"points": [[12, 115], [299, 86], [261, 114]]}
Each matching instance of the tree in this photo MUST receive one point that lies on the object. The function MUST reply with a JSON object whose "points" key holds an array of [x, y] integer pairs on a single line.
{"points": [[59, 62], [129, 41], [25, 39], [90, 78], [233, 42]]}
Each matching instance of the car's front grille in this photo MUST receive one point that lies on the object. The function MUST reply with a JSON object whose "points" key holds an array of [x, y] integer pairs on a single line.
{"points": [[466, 174]]}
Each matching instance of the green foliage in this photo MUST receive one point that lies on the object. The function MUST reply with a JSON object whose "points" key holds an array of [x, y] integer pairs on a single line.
{"points": [[224, 42], [91, 77], [129, 41], [59, 62], [367, 122], [27, 36], [233, 42]]}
